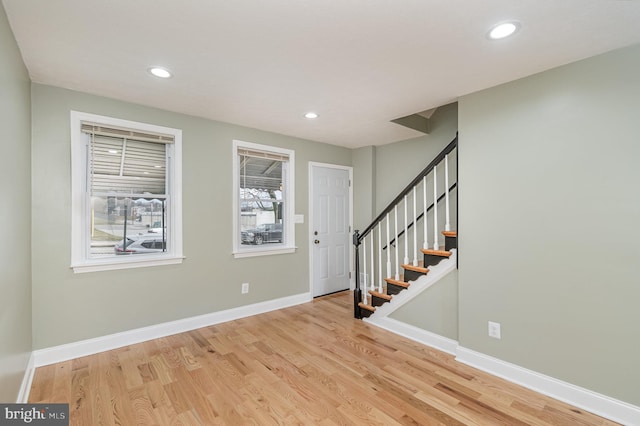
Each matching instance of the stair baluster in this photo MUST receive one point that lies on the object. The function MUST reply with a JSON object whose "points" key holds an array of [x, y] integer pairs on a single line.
{"points": [[365, 294], [388, 251], [406, 240], [415, 228], [373, 281], [397, 274], [364, 257], [447, 224], [380, 257], [435, 208], [425, 241]]}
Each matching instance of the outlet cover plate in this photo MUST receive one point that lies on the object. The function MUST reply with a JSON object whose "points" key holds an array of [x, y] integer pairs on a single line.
{"points": [[494, 330]]}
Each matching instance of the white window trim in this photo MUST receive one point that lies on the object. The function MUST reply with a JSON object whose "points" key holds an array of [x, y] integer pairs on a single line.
{"points": [[80, 262], [288, 245]]}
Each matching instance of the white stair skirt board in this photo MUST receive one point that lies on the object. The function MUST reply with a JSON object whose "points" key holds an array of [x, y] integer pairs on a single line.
{"points": [[25, 387], [416, 334], [602, 405], [112, 341], [418, 286]]}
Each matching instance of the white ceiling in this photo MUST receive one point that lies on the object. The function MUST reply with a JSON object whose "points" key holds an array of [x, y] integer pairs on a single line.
{"points": [[264, 63]]}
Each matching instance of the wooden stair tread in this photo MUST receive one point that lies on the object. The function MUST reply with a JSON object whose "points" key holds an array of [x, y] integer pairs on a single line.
{"points": [[420, 268], [450, 233], [380, 295], [367, 307], [442, 253], [397, 282]]}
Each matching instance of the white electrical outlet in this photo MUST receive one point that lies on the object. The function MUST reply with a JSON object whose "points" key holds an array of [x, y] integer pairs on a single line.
{"points": [[494, 330], [245, 288]]}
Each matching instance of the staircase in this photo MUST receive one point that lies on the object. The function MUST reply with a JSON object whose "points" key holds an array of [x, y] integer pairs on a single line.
{"points": [[423, 211]]}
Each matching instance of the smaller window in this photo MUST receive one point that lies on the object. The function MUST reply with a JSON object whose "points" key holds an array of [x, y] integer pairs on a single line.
{"points": [[263, 200]]}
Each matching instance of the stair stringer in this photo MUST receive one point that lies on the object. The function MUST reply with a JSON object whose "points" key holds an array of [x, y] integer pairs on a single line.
{"points": [[436, 273]]}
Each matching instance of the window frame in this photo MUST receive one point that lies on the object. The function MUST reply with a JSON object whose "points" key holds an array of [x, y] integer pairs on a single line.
{"points": [[80, 199], [288, 226]]}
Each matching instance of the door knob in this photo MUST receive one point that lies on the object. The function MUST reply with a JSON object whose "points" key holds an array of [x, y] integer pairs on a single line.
{"points": [[317, 241]]}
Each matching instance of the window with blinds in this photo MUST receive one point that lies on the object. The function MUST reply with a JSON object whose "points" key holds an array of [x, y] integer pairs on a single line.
{"points": [[261, 182], [128, 201], [264, 192]]}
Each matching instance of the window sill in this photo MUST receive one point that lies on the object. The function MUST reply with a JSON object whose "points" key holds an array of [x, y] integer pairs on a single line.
{"points": [[263, 252], [111, 264]]}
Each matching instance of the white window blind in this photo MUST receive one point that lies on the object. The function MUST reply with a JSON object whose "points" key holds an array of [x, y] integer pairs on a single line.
{"points": [[260, 170], [126, 162], [262, 154]]}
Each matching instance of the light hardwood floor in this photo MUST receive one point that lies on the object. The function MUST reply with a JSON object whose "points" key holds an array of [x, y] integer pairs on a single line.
{"points": [[311, 364]]}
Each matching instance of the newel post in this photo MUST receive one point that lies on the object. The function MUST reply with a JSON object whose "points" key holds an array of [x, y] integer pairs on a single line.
{"points": [[357, 294]]}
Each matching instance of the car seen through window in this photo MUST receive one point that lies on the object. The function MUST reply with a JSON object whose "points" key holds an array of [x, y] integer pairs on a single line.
{"points": [[265, 233], [142, 243]]}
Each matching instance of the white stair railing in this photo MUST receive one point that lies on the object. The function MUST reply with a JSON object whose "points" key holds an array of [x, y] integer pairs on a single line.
{"points": [[378, 236]]}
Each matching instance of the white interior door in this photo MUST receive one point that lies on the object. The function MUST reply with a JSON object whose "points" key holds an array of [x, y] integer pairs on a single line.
{"points": [[330, 229]]}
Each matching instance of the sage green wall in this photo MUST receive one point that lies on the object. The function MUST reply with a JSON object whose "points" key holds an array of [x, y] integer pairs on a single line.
{"points": [[364, 195], [15, 211], [70, 307], [550, 222], [398, 163], [435, 309]]}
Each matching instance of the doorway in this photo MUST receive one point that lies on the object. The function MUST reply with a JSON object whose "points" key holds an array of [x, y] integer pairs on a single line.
{"points": [[330, 198]]}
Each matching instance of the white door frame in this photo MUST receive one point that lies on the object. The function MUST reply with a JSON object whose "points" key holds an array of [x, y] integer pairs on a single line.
{"points": [[312, 165]]}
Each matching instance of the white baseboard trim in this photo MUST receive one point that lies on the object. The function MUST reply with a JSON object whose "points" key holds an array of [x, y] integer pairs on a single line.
{"points": [[112, 341], [416, 334], [593, 402], [25, 387]]}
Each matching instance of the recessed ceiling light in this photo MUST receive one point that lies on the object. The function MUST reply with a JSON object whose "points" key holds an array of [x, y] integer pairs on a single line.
{"points": [[113, 151], [160, 72], [503, 30], [311, 115]]}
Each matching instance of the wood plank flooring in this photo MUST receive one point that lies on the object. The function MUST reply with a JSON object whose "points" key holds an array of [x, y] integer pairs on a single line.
{"points": [[311, 364]]}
